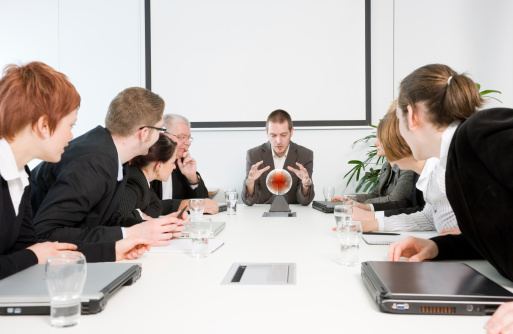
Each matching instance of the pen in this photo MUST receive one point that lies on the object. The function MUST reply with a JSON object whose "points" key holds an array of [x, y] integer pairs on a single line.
{"points": [[381, 233], [181, 212]]}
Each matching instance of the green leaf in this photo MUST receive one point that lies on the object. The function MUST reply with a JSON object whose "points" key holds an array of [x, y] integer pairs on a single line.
{"points": [[491, 97], [484, 92]]}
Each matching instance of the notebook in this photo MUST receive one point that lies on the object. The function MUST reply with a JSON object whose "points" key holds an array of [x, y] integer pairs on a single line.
{"points": [[217, 227], [376, 239], [432, 288], [25, 292], [325, 206], [184, 246]]}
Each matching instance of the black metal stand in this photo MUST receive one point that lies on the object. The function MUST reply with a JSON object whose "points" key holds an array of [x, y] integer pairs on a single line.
{"points": [[279, 208]]}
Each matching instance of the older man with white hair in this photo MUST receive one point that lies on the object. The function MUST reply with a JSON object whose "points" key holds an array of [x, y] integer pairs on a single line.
{"points": [[185, 182]]}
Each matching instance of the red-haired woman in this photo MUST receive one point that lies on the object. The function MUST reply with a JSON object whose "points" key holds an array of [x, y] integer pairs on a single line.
{"points": [[38, 108]]}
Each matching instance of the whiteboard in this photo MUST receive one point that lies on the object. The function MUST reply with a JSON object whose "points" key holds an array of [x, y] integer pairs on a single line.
{"points": [[230, 63]]}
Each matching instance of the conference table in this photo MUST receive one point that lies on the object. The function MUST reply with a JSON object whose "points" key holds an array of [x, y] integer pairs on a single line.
{"points": [[181, 294]]}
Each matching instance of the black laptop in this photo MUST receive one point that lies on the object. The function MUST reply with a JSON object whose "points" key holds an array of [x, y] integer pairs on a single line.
{"points": [[325, 206], [432, 288], [25, 292]]}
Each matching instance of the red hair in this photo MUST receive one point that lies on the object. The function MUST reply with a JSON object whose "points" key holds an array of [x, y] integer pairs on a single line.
{"points": [[31, 91]]}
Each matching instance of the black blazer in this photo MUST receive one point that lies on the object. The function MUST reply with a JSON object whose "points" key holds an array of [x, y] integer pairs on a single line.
{"points": [[407, 205], [262, 195], [76, 199], [17, 233], [181, 190], [139, 195], [479, 187]]}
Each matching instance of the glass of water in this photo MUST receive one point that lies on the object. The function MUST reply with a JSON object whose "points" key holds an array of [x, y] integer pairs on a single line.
{"points": [[201, 228], [196, 207], [65, 277], [329, 192], [350, 199], [343, 213], [231, 198], [349, 235]]}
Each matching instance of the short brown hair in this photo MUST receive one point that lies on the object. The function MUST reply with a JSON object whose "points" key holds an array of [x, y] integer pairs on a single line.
{"points": [[162, 150], [447, 95], [31, 91], [132, 108], [279, 116], [393, 143]]}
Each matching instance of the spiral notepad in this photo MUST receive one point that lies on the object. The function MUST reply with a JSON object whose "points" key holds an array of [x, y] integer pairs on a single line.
{"points": [[388, 239]]}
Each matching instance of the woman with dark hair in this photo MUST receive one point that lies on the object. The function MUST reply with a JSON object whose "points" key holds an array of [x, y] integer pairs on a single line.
{"points": [[437, 115], [139, 199], [38, 108]]}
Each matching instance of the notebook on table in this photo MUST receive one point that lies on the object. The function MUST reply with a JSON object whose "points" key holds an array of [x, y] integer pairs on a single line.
{"points": [[25, 292], [432, 288], [383, 239], [325, 206], [217, 227]]}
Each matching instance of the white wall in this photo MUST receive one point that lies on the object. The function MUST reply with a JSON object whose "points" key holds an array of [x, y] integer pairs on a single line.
{"points": [[104, 55]]}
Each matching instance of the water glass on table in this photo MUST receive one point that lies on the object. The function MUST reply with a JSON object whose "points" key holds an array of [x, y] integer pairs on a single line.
{"points": [[65, 276], [231, 198], [329, 192], [201, 230], [196, 207], [350, 199], [343, 213], [349, 235]]}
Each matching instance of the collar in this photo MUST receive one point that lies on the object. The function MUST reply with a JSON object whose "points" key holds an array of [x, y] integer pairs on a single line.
{"points": [[284, 156], [120, 167], [446, 142], [423, 180], [8, 168]]}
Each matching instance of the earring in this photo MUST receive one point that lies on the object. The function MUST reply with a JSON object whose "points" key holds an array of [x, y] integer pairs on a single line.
{"points": [[158, 176]]}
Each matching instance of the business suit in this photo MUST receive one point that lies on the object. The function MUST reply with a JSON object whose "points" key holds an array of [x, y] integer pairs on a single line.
{"points": [[138, 195], [76, 198], [17, 233], [480, 190], [407, 205], [264, 152], [394, 184], [181, 190]]}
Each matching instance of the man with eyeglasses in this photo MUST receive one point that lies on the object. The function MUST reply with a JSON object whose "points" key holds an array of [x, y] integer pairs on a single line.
{"points": [[76, 198], [185, 181]]}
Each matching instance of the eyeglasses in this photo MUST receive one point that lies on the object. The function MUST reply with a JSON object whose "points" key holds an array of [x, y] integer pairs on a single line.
{"points": [[183, 138], [162, 129]]}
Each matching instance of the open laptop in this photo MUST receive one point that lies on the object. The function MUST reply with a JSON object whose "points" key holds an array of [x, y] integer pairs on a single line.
{"points": [[432, 288], [217, 227], [325, 206], [25, 292]]}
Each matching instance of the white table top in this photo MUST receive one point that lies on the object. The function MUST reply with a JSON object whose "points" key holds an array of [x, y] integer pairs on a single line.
{"points": [[180, 294]]}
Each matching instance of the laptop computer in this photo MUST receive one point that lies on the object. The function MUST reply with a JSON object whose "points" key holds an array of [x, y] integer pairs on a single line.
{"points": [[325, 206], [25, 292], [217, 227], [432, 288]]}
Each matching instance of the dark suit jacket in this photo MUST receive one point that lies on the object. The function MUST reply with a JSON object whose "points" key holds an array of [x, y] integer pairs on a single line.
{"points": [[262, 195], [407, 205], [17, 233], [181, 190], [76, 198], [394, 184], [479, 187], [138, 195]]}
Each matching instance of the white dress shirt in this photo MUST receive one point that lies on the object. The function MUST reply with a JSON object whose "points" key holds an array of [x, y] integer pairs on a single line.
{"points": [[17, 179], [437, 213], [280, 162]]}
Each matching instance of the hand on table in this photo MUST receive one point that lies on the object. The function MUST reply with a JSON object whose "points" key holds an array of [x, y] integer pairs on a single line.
{"points": [[360, 214], [44, 250], [211, 207], [502, 320], [416, 249], [158, 232], [450, 231], [131, 248]]}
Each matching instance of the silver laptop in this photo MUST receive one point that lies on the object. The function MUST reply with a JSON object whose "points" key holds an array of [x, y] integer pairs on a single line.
{"points": [[25, 293], [432, 288], [217, 227]]}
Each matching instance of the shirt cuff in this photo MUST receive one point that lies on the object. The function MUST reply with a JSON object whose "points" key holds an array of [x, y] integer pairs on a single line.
{"points": [[140, 213], [381, 223], [123, 232], [193, 186], [371, 207]]}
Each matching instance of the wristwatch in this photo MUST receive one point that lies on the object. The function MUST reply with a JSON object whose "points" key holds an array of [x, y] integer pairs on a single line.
{"points": [[308, 185], [193, 184]]}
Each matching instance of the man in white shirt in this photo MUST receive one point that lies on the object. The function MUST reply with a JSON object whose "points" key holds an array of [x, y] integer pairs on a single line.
{"points": [[278, 153]]}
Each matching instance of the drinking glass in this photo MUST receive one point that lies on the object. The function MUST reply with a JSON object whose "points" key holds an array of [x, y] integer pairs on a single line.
{"points": [[231, 201], [201, 228], [350, 199], [65, 277], [329, 192], [196, 207], [343, 213], [349, 235]]}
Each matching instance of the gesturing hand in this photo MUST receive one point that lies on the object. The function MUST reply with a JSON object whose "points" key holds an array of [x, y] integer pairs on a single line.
{"points": [[188, 167], [254, 172], [301, 173]]}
